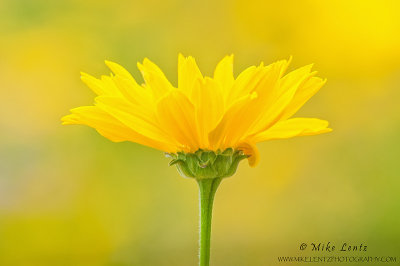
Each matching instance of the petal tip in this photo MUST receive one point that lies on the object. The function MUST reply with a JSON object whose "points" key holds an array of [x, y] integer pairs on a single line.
{"points": [[110, 64], [290, 59], [84, 74]]}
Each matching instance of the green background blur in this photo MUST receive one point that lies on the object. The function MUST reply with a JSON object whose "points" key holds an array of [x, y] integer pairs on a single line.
{"points": [[71, 197]]}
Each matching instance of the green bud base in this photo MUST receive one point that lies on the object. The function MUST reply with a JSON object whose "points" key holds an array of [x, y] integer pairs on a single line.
{"points": [[204, 164]]}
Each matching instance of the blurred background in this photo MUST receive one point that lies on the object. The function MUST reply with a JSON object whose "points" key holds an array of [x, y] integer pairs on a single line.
{"points": [[71, 197]]}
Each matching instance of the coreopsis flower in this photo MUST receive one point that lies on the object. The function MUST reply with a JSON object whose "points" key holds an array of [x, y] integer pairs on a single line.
{"points": [[207, 125], [201, 114]]}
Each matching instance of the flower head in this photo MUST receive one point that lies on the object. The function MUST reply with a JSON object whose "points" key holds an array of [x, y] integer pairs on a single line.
{"points": [[201, 113]]}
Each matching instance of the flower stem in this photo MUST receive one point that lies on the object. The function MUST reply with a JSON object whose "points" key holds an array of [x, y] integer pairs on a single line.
{"points": [[207, 187]]}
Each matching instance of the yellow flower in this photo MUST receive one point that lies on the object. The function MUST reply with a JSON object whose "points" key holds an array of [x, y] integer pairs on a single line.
{"points": [[208, 113]]}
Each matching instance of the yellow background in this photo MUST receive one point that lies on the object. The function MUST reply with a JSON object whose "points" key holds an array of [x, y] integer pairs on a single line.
{"points": [[71, 197]]}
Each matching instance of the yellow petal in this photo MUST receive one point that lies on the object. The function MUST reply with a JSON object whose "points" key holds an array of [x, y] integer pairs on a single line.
{"points": [[293, 127], [225, 129], [154, 78], [209, 107], [109, 86], [243, 85], [279, 99], [261, 79], [98, 119], [103, 86], [272, 73], [119, 70], [110, 127], [223, 73], [93, 83], [135, 93], [303, 94], [295, 78], [249, 148], [264, 86], [128, 86], [133, 116], [188, 73], [176, 115]]}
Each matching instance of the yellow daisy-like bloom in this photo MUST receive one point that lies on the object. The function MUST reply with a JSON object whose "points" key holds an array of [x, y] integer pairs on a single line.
{"points": [[208, 113]]}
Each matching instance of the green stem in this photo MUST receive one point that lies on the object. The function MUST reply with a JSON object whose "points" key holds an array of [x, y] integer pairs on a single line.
{"points": [[207, 187]]}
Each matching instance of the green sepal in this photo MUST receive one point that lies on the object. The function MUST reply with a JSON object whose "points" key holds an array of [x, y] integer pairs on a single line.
{"points": [[204, 164]]}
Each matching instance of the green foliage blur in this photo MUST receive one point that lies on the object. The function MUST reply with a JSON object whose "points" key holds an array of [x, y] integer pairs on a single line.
{"points": [[71, 197]]}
